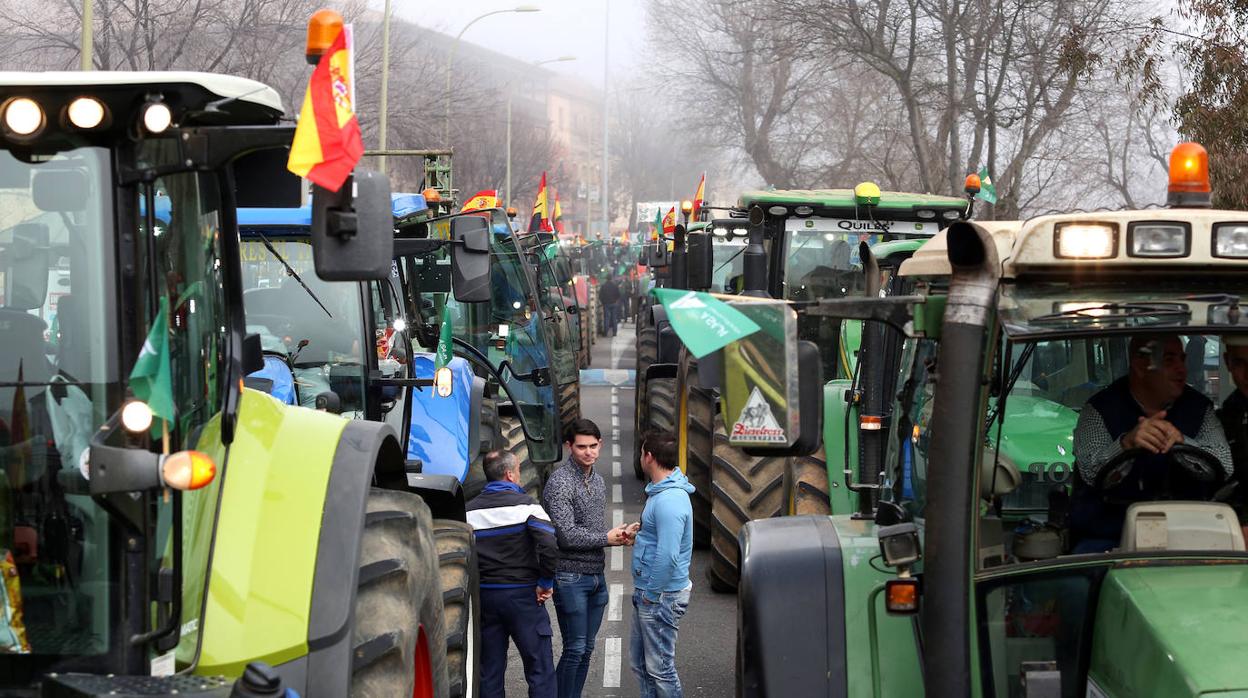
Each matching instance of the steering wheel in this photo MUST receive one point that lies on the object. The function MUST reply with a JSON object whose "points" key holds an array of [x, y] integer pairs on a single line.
{"points": [[1197, 463]]}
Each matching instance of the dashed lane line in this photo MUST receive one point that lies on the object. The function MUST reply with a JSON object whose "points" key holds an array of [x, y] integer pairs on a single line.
{"points": [[612, 658], [617, 552], [617, 493], [615, 468], [614, 610], [615, 450]]}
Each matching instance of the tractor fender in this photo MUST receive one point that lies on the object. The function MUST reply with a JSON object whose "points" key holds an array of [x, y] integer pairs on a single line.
{"points": [[327, 665], [791, 609], [442, 430], [657, 313], [669, 342], [666, 370], [444, 495]]}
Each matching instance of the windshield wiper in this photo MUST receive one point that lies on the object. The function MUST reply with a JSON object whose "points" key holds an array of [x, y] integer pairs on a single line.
{"points": [[729, 260], [291, 270], [1114, 312]]}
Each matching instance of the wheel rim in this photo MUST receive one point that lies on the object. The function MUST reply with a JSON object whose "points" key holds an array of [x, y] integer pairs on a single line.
{"points": [[423, 684]]}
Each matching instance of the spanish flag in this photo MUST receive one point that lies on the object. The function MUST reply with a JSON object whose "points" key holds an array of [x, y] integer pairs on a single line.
{"points": [[669, 221], [327, 140], [558, 215], [482, 200], [697, 198], [541, 210]]}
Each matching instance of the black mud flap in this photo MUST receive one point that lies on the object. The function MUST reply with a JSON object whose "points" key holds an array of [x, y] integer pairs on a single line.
{"points": [[443, 493], [790, 609]]}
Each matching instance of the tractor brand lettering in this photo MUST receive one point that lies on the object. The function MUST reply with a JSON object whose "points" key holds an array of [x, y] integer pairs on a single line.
{"points": [[1058, 471], [756, 423], [881, 226]]}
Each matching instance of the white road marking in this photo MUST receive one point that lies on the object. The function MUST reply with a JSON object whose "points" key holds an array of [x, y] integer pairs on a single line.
{"points": [[617, 493], [615, 450], [615, 468], [615, 421], [611, 669], [617, 551], [614, 612]]}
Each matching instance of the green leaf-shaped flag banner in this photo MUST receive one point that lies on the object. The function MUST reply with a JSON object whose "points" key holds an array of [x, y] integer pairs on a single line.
{"points": [[703, 322]]}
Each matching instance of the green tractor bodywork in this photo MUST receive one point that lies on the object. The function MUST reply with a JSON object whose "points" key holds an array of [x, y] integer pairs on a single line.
{"points": [[813, 243], [980, 474], [117, 566]]}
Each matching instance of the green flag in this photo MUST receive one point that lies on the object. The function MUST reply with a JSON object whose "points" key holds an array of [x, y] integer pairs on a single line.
{"points": [[444, 353], [658, 220], [704, 323], [150, 379], [987, 190]]}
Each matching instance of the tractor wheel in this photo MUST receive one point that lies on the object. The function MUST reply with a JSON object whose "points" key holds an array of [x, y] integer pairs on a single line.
{"points": [[743, 488], [810, 484], [647, 352], [398, 632], [491, 438], [697, 431], [569, 403], [518, 446], [461, 604]]}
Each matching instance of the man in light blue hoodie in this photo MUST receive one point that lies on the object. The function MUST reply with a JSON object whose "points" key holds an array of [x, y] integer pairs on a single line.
{"points": [[663, 547]]}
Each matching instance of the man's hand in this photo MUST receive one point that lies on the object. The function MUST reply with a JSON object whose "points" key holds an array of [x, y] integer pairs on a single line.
{"points": [[1153, 434], [543, 595], [619, 536], [632, 529]]}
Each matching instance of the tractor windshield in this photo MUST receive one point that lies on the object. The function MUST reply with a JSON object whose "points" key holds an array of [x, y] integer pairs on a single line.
{"points": [[317, 325], [728, 261], [59, 381], [62, 374]]}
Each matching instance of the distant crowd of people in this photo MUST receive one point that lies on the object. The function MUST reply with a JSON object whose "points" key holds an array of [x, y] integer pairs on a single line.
{"points": [[530, 553]]}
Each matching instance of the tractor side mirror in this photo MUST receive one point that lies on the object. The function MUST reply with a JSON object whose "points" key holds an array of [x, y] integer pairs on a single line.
{"points": [[657, 255], [353, 229], [699, 260], [470, 259]]}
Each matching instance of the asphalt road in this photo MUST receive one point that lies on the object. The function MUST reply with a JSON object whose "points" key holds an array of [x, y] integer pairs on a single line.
{"points": [[706, 645]]}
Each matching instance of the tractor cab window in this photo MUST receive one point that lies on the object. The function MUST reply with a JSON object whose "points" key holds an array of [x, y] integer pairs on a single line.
{"points": [[907, 450], [728, 261], [59, 381], [315, 325]]}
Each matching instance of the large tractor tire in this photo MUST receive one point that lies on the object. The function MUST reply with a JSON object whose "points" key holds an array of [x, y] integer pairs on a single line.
{"points": [[461, 605], [398, 633], [569, 403], [515, 444], [660, 407], [743, 488], [491, 438], [647, 352], [696, 436], [810, 484]]}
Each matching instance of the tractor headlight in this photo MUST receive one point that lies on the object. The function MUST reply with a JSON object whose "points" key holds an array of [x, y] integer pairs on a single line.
{"points": [[1230, 240], [157, 117], [23, 117], [1085, 240], [86, 112], [1148, 239]]}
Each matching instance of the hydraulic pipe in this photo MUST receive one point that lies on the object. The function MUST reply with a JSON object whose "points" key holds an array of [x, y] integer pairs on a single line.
{"points": [[955, 427], [754, 263]]}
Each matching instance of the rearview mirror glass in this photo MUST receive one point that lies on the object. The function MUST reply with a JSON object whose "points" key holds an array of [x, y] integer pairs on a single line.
{"points": [[60, 191], [353, 229], [470, 258], [26, 261]]}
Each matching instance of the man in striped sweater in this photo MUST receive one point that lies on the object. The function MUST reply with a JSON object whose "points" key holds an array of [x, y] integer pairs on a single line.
{"points": [[516, 555]]}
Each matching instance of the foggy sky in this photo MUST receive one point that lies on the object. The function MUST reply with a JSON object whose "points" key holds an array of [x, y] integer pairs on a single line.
{"points": [[563, 27]]}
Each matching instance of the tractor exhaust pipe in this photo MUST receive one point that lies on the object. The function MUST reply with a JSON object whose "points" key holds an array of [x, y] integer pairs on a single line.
{"points": [[955, 426], [754, 264]]}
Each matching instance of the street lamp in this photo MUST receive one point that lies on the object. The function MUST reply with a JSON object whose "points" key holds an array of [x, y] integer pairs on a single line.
{"points": [[446, 126], [507, 193]]}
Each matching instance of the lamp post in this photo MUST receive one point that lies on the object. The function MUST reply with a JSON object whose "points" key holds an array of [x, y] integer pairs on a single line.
{"points": [[88, 35], [385, 84], [606, 134], [507, 192], [450, 60]]}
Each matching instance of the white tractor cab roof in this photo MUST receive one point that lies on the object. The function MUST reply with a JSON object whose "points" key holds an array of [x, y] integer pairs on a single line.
{"points": [[223, 86], [932, 259]]}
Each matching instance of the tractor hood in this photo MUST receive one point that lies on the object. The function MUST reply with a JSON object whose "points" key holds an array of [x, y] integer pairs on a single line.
{"points": [[1172, 631]]}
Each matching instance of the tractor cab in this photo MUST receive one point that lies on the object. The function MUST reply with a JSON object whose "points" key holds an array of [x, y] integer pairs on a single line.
{"points": [[121, 379], [1059, 510]]}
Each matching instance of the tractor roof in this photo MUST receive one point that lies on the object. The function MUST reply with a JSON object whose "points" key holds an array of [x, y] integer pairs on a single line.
{"points": [[932, 259], [210, 86], [844, 199]]}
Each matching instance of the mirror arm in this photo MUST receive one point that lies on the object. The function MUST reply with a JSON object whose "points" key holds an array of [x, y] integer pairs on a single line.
{"points": [[895, 311]]}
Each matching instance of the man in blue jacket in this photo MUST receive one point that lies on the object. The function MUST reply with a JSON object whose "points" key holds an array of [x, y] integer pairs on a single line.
{"points": [[663, 547], [516, 557]]}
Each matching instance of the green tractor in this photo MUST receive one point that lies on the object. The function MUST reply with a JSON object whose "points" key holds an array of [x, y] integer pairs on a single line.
{"points": [[241, 544], [985, 569], [569, 328], [800, 246]]}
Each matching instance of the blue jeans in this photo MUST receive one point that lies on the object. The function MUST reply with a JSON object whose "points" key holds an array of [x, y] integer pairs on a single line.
{"points": [[580, 600], [653, 645], [610, 318]]}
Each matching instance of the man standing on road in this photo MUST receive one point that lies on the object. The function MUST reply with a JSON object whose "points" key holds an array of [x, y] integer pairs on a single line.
{"points": [[609, 298], [661, 557], [516, 556], [576, 498]]}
